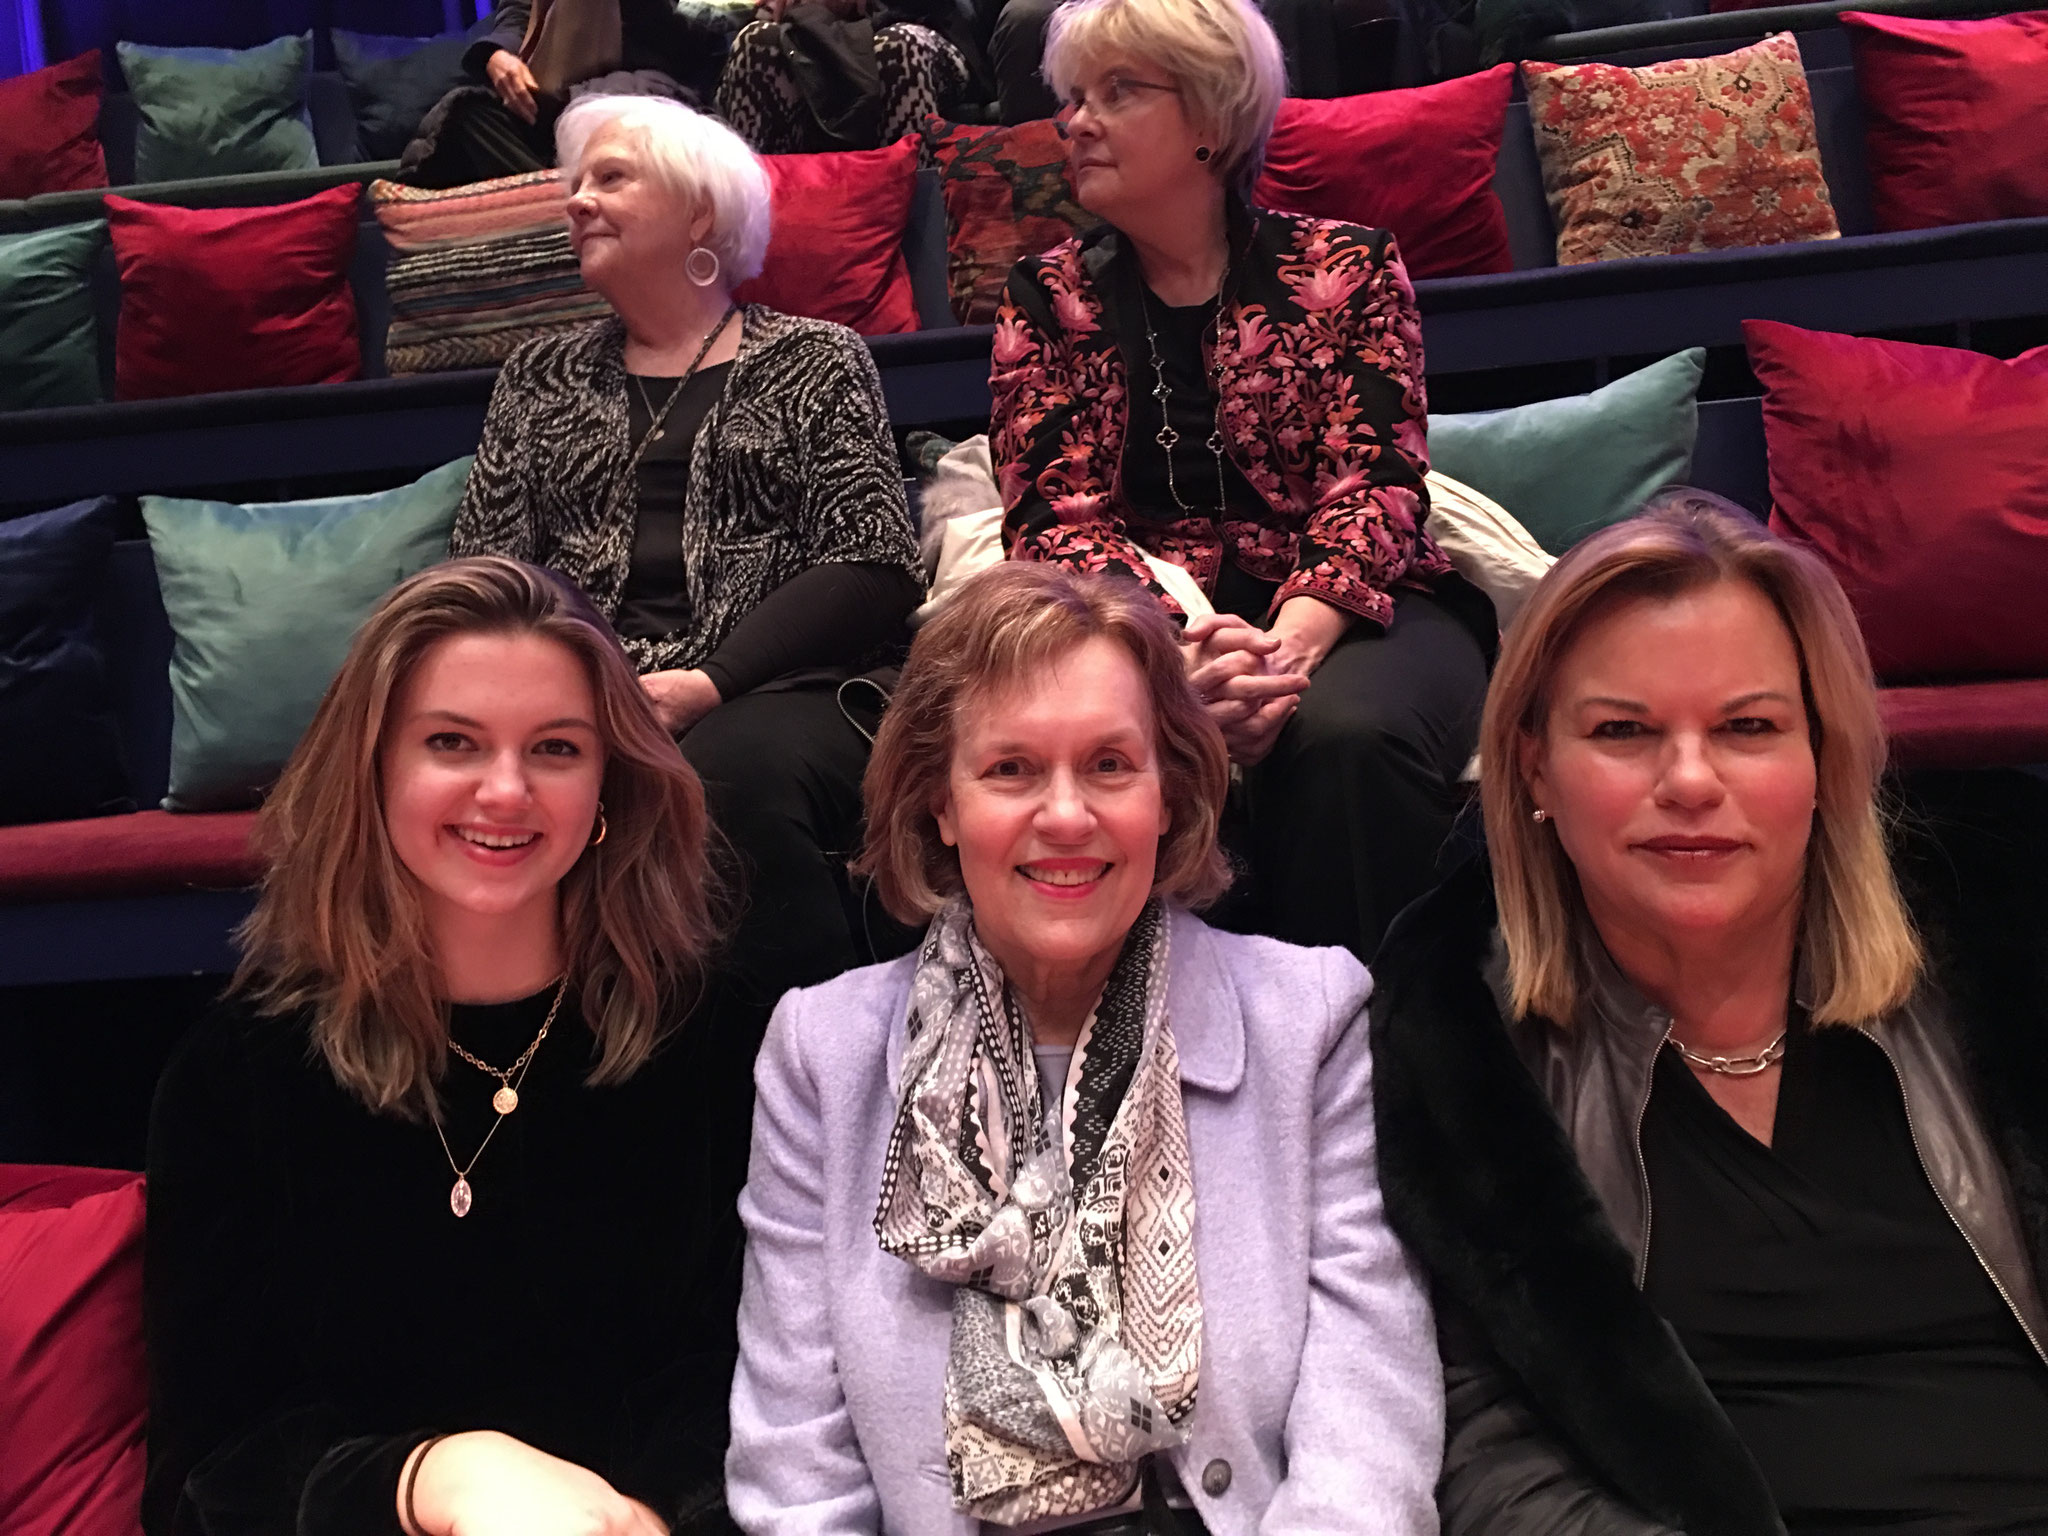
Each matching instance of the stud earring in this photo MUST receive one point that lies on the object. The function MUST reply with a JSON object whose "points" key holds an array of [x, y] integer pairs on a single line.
{"points": [[1540, 815], [1202, 153]]}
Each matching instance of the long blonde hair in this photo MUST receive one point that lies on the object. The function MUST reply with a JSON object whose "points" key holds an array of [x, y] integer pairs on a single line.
{"points": [[339, 928], [1855, 935]]}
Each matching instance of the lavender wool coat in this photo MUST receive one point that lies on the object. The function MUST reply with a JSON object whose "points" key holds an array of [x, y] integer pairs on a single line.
{"points": [[1321, 1400]]}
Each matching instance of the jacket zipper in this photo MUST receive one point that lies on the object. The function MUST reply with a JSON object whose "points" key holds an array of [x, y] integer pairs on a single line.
{"points": [[1913, 1130], [1642, 1163]]}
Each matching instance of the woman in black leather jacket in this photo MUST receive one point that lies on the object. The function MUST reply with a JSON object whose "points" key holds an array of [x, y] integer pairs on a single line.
{"points": [[1722, 1128]]}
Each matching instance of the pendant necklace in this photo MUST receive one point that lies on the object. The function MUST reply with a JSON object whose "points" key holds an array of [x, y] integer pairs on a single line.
{"points": [[504, 1101], [658, 420], [1168, 435]]}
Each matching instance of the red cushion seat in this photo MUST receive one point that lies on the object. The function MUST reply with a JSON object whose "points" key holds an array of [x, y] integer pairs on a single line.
{"points": [[73, 1389], [146, 854], [1968, 725]]}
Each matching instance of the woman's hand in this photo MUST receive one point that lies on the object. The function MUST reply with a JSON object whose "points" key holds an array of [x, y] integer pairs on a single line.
{"points": [[487, 1484], [1307, 629], [681, 698], [1232, 669], [514, 83]]}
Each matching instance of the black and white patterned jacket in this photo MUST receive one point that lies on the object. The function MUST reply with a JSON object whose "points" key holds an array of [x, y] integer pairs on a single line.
{"points": [[794, 467]]}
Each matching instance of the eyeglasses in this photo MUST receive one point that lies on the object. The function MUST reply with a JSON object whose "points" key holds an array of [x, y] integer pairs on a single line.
{"points": [[1116, 95]]}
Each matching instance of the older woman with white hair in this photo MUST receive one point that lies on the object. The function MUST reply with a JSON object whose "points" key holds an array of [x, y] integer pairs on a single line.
{"points": [[720, 480], [1240, 392]]}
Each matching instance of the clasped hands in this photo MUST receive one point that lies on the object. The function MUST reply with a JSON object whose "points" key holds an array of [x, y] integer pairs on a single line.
{"points": [[1251, 680]]}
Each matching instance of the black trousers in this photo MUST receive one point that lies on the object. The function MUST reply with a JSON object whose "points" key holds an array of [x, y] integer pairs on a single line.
{"points": [[782, 775], [1344, 823]]}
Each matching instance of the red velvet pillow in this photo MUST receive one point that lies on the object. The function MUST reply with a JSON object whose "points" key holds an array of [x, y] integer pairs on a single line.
{"points": [[1920, 474], [1955, 114], [50, 129], [836, 247], [1418, 162], [234, 298], [73, 1385]]}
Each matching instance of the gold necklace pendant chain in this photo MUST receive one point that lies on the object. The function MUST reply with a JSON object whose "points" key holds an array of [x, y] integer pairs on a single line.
{"points": [[504, 1101], [1169, 435], [1735, 1066]]}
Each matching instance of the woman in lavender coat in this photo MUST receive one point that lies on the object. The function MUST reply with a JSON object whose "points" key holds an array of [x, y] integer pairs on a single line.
{"points": [[1071, 1221]]}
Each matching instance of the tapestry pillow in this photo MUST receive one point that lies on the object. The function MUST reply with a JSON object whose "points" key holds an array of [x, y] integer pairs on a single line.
{"points": [[1419, 162], [49, 336], [263, 600], [477, 270], [1953, 115], [74, 1389], [50, 129], [220, 111], [1566, 468], [60, 746], [1007, 196], [392, 82], [1921, 475], [1681, 155], [234, 298], [836, 247]]}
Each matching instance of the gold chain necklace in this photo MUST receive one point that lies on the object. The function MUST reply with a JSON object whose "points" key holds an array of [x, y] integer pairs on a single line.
{"points": [[1735, 1066], [504, 1101]]}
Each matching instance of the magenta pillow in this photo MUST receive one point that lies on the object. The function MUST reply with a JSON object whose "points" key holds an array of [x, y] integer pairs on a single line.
{"points": [[1418, 162], [1955, 117], [1920, 474], [836, 247], [74, 1389], [234, 298], [50, 129]]}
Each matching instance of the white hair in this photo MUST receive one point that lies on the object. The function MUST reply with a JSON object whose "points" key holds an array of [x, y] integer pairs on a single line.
{"points": [[1221, 53], [701, 161]]}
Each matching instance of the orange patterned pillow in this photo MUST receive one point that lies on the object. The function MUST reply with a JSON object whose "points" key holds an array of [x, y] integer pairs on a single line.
{"points": [[1681, 155]]}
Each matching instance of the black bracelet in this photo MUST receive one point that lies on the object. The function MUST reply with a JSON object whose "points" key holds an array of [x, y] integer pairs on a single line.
{"points": [[412, 1477]]}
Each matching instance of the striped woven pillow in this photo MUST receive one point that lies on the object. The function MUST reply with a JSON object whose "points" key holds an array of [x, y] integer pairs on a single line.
{"points": [[476, 270]]}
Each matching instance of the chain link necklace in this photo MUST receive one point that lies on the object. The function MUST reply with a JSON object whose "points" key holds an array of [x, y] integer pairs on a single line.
{"points": [[504, 1101], [1168, 435], [659, 419], [1735, 1066]]}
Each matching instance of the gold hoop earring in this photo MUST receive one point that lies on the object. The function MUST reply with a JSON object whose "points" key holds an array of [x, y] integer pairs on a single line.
{"points": [[602, 828]]}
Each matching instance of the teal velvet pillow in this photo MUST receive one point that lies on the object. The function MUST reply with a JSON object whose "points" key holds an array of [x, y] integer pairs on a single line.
{"points": [[1567, 468], [263, 601], [220, 111], [49, 340]]}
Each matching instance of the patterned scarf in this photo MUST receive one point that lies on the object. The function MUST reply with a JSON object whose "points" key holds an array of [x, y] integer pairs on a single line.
{"points": [[1077, 1325]]}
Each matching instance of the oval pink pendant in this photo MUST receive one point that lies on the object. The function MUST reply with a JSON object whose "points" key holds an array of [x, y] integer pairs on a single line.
{"points": [[458, 1198], [505, 1100]]}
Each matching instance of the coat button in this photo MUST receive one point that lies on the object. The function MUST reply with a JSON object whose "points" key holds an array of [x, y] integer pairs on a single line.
{"points": [[1216, 1478]]}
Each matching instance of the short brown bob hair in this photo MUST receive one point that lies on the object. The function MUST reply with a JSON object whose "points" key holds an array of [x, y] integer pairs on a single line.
{"points": [[338, 928], [1855, 936], [1008, 624]]}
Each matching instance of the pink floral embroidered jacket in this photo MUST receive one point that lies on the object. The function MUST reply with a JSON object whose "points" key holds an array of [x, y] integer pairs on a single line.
{"points": [[1318, 363]]}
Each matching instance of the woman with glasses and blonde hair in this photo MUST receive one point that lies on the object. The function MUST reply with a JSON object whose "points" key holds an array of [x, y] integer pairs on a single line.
{"points": [[1240, 392], [441, 1232], [1070, 1221], [1721, 1126]]}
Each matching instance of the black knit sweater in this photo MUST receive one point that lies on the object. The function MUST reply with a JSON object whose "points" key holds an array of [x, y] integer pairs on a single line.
{"points": [[315, 1309]]}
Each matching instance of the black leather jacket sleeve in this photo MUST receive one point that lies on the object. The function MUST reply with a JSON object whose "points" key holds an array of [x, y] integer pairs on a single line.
{"points": [[1504, 1474]]}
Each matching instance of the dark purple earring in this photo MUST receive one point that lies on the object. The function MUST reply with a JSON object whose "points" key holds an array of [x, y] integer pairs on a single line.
{"points": [[1202, 153]]}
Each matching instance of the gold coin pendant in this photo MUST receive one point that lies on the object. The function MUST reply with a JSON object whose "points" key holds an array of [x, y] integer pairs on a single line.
{"points": [[505, 1100]]}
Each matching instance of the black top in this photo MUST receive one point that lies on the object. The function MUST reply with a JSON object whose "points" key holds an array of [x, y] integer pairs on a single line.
{"points": [[822, 623], [315, 1309], [1837, 1313]]}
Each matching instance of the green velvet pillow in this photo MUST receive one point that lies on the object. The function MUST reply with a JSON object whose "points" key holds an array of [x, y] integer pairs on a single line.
{"points": [[49, 341], [1567, 468], [220, 111], [263, 601]]}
